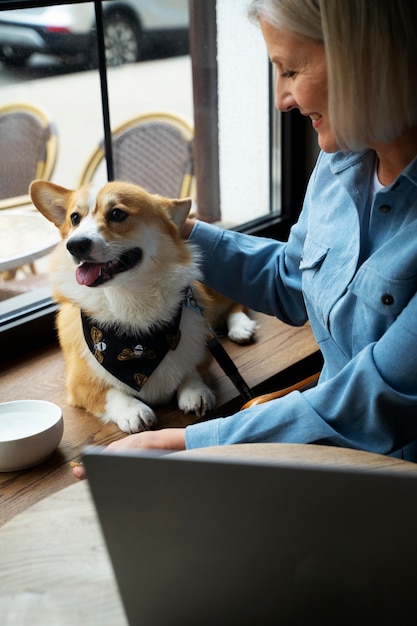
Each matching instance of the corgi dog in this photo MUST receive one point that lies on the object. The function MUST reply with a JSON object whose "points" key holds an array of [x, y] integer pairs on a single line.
{"points": [[133, 314]]}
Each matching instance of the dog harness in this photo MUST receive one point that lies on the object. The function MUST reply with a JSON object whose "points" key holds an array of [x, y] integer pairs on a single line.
{"points": [[132, 358]]}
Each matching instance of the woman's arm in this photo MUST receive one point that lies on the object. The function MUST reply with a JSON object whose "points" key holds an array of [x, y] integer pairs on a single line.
{"points": [[259, 272], [371, 404]]}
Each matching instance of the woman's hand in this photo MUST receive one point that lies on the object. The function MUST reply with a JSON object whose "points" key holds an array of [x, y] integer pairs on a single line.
{"points": [[165, 439]]}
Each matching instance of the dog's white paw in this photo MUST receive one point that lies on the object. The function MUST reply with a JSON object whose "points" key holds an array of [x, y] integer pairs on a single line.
{"points": [[195, 397], [241, 329], [130, 414]]}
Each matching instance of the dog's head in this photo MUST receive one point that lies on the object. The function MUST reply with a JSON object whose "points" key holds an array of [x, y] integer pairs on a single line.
{"points": [[109, 231]]}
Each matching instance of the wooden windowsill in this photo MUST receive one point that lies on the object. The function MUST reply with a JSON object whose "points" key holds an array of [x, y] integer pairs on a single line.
{"points": [[280, 356]]}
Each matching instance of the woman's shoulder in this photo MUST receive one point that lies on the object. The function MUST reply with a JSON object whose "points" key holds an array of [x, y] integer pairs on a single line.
{"points": [[348, 165], [336, 162], [336, 172]]}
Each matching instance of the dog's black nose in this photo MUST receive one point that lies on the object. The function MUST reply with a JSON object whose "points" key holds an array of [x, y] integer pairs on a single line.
{"points": [[79, 247]]}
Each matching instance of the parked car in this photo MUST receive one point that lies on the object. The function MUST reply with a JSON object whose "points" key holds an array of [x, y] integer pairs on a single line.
{"points": [[70, 30]]}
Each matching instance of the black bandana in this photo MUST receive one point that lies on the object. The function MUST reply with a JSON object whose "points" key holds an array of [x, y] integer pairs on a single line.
{"points": [[131, 358]]}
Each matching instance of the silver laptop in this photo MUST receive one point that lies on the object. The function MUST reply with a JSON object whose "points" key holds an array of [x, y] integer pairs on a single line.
{"points": [[222, 543]]}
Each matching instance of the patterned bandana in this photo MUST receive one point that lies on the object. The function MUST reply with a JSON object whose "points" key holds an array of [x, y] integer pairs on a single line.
{"points": [[131, 358]]}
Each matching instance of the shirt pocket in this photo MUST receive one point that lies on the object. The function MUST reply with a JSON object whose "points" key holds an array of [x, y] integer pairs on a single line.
{"points": [[315, 287], [384, 295], [315, 283], [313, 255]]}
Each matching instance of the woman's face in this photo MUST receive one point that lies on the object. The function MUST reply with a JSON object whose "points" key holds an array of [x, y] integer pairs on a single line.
{"points": [[301, 81]]}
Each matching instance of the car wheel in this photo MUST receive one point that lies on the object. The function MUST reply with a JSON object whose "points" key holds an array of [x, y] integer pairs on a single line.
{"points": [[123, 40], [14, 57]]}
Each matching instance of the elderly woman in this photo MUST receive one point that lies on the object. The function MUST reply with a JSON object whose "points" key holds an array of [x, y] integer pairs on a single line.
{"points": [[350, 263]]}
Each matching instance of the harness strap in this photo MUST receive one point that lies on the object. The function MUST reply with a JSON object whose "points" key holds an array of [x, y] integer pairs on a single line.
{"points": [[229, 367], [220, 354]]}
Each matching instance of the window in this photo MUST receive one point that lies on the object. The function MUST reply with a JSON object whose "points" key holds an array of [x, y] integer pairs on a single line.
{"points": [[258, 173], [250, 165]]}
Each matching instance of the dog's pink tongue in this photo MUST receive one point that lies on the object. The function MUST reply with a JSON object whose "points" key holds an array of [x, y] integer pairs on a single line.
{"points": [[87, 273]]}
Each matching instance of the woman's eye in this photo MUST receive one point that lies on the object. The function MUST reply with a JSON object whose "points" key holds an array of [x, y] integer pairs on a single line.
{"points": [[288, 74], [116, 215]]}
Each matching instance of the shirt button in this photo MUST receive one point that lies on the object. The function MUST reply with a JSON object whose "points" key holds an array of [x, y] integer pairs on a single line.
{"points": [[385, 208], [387, 299]]}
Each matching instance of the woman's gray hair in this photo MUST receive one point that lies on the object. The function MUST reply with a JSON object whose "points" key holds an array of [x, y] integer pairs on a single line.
{"points": [[301, 17], [371, 51]]}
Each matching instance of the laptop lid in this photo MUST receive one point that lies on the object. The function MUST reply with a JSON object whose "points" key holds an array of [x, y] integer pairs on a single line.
{"points": [[203, 541]]}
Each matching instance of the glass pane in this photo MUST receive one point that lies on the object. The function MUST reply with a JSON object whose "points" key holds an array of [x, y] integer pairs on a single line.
{"points": [[49, 61], [276, 141], [244, 116]]}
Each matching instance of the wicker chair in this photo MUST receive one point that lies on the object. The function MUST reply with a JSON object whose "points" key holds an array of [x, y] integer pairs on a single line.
{"points": [[153, 150], [28, 142]]}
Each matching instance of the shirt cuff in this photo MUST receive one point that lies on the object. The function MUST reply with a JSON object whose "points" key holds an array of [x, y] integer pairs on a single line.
{"points": [[202, 435]]}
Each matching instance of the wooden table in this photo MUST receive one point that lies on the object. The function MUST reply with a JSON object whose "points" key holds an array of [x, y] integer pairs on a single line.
{"points": [[55, 568], [280, 356]]}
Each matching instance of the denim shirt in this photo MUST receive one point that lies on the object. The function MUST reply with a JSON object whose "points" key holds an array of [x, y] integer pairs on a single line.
{"points": [[350, 267]]}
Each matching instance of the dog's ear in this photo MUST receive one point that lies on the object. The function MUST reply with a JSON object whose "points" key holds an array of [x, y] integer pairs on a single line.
{"points": [[178, 210], [50, 199]]}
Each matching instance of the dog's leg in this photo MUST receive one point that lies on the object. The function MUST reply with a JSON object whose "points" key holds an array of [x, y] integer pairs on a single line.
{"points": [[130, 414], [240, 328], [194, 396], [112, 405]]}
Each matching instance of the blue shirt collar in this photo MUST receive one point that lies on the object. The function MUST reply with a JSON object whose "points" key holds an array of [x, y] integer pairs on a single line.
{"points": [[340, 161]]}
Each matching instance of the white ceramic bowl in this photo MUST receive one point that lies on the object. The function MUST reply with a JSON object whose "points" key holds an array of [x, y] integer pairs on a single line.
{"points": [[30, 430]]}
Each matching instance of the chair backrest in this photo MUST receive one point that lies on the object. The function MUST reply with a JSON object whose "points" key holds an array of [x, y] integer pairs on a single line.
{"points": [[28, 150], [153, 150]]}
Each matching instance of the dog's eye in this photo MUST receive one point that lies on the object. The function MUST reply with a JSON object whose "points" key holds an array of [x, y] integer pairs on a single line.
{"points": [[116, 215], [75, 219]]}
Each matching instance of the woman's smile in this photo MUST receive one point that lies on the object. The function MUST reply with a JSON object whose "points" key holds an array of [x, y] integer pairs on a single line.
{"points": [[301, 79]]}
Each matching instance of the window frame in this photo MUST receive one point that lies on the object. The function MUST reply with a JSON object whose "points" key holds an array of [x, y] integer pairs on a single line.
{"points": [[29, 4], [31, 325]]}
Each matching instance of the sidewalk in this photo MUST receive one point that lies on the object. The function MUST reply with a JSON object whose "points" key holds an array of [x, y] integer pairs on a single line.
{"points": [[73, 102]]}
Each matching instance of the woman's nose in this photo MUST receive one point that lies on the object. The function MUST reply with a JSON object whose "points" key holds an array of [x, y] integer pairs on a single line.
{"points": [[284, 100]]}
